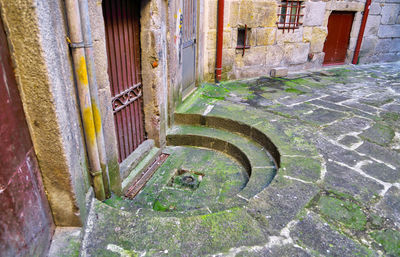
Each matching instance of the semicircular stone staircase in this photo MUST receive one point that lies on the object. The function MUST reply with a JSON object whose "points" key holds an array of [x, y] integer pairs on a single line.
{"points": [[205, 220]]}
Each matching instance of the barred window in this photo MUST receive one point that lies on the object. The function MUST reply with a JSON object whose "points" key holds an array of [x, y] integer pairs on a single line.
{"points": [[289, 16]]}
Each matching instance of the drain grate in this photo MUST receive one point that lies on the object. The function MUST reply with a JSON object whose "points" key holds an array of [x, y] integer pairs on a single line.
{"points": [[145, 176]]}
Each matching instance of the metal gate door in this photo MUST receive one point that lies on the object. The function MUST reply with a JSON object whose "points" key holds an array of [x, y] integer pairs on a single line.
{"points": [[337, 41], [123, 49], [189, 45]]}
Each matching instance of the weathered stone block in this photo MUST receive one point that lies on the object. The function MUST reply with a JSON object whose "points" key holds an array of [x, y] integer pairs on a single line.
{"points": [[255, 56], [211, 40], [390, 13], [375, 9], [386, 31], [314, 13], [289, 37], [279, 72], [372, 25], [227, 39], [368, 46], [296, 53], [388, 45], [318, 39], [212, 14], [266, 36]]}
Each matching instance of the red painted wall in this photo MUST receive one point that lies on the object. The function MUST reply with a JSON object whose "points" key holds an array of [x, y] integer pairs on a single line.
{"points": [[26, 225]]}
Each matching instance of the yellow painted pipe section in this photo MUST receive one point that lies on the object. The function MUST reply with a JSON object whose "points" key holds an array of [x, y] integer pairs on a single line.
{"points": [[82, 71]]}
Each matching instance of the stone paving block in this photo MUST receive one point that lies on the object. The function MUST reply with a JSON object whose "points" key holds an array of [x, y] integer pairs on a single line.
{"points": [[335, 98], [392, 107], [286, 250], [277, 206], [389, 206], [380, 153], [361, 107], [308, 169], [345, 180], [337, 153], [322, 116], [349, 140], [379, 134], [382, 172], [315, 233]]}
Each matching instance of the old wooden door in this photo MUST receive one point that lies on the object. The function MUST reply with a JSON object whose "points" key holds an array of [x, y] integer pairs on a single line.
{"points": [[122, 31], [189, 45], [337, 41], [26, 224]]}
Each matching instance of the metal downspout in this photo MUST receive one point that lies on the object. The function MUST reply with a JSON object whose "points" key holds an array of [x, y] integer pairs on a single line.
{"points": [[361, 33], [88, 44], [220, 38], [85, 103]]}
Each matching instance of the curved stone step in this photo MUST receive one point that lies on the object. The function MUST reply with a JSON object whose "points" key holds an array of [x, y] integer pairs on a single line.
{"points": [[253, 156], [110, 231]]}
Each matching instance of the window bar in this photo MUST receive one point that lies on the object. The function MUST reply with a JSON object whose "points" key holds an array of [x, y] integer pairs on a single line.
{"points": [[244, 40], [297, 13]]}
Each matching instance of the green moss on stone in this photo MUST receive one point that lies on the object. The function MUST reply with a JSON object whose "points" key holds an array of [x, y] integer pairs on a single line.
{"points": [[294, 90], [345, 212], [389, 239]]}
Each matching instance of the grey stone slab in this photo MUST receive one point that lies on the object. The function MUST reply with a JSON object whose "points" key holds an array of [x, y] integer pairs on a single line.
{"points": [[297, 99], [322, 116], [334, 152], [389, 206], [349, 140], [316, 234], [382, 172], [345, 180], [330, 105], [275, 207], [381, 153], [360, 106], [378, 134], [335, 98], [392, 108], [286, 250], [372, 26]]}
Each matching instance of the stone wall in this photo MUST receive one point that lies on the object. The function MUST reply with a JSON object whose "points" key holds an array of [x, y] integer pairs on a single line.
{"points": [[269, 46], [381, 41], [37, 32]]}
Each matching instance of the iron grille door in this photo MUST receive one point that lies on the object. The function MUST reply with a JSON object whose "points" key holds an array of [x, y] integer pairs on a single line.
{"points": [[123, 50], [189, 44]]}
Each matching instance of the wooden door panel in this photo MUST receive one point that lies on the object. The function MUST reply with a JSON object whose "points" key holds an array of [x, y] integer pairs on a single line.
{"points": [[122, 26], [337, 41]]}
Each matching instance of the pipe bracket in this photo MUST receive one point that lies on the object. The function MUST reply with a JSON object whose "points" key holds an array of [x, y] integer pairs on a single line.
{"points": [[96, 173], [77, 45]]}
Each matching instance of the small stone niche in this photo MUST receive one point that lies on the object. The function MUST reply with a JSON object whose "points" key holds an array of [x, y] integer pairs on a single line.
{"points": [[243, 33]]}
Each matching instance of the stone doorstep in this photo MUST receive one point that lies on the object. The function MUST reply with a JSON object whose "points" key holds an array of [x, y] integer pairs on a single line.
{"points": [[135, 173], [135, 158]]}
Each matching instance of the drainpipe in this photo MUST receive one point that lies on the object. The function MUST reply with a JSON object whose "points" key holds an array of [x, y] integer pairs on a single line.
{"points": [[85, 103], [220, 38], [88, 45], [361, 33]]}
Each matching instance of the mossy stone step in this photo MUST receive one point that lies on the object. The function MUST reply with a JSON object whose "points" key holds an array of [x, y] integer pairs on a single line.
{"points": [[259, 162], [110, 232]]}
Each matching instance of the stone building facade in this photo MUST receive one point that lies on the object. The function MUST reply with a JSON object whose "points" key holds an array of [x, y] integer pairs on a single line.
{"points": [[298, 49]]}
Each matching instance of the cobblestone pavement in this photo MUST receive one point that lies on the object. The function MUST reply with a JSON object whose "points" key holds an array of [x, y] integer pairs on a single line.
{"points": [[337, 191]]}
